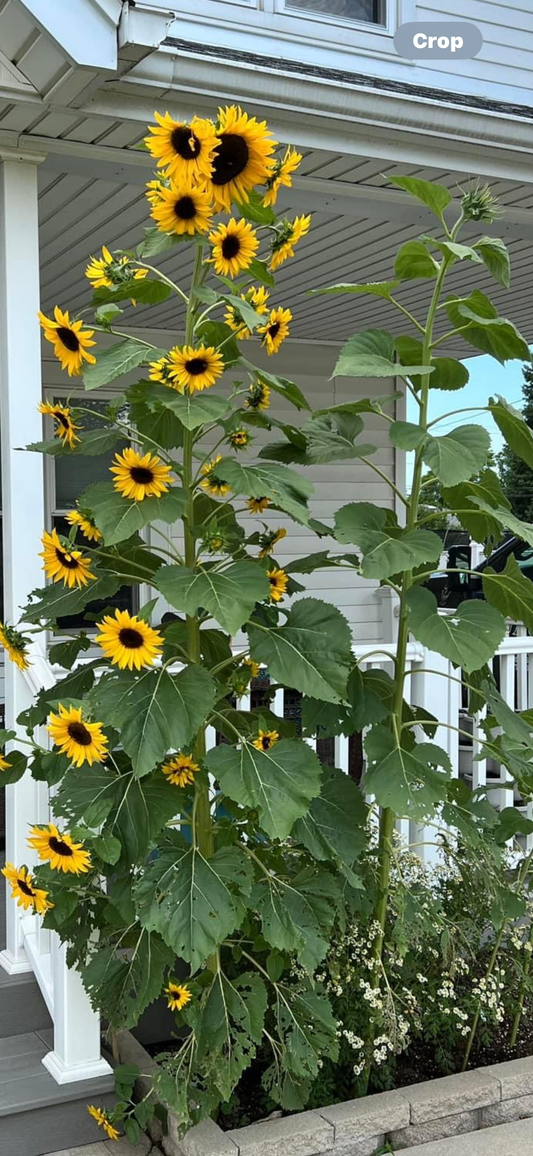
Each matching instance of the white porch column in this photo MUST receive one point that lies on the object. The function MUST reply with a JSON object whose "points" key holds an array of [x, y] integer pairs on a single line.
{"points": [[77, 1053], [22, 473]]}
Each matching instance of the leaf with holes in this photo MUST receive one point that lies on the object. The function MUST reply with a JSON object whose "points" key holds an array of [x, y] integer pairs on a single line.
{"points": [[229, 1027], [278, 783], [297, 915], [121, 987]]}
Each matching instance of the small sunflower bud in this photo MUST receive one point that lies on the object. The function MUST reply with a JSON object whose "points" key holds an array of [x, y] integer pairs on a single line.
{"points": [[480, 204]]}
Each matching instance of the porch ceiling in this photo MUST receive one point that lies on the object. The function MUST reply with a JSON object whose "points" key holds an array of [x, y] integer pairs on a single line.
{"points": [[358, 223]]}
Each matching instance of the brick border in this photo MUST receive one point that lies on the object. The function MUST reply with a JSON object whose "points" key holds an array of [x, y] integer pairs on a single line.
{"points": [[450, 1106]]}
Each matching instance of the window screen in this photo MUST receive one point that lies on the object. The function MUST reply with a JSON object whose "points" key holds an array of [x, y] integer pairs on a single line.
{"points": [[365, 11]]}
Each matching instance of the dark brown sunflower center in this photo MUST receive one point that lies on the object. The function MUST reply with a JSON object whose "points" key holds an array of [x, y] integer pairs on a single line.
{"points": [[64, 421], [23, 886], [130, 638], [141, 475], [196, 365], [266, 743], [185, 209], [185, 143], [60, 847], [67, 560], [231, 246], [69, 339], [273, 580], [80, 734], [230, 159], [273, 330]]}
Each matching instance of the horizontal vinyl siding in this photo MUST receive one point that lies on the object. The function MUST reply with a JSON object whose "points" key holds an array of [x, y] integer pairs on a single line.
{"points": [[506, 57]]}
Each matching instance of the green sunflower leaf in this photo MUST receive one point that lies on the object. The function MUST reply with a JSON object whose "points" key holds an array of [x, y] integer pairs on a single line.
{"points": [[333, 437], [463, 498], [310, 652], [278, 783], [507, 520], [435, 197], [334, 827], [259, 271], [117, 518], [457, 456], [482, 327], [229, 595], [219, 335], [117, 360], [371, 354], [387, 548], [144, 291], [16, 769], [194, 903], [510, 592], [514, 429], [92, 443], [156, 242], [412, 779], [230, 1027], [297, 916], [375, 288], [495, 255], [414, 261], [287, 389], [195, 409], [56, 601], [122, 987], [468, 636], [283, 486], [66, 653], [156, 711]]}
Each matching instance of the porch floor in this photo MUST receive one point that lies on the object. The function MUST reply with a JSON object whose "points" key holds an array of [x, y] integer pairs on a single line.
{"points": [[117, 1147]]}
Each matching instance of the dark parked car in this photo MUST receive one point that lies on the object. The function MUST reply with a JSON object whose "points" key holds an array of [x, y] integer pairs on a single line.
{"points": [[452, 589]]}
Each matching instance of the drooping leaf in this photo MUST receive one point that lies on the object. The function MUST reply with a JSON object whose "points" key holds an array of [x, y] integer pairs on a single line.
{"points": [[435, 197], [510, 824], [278, 783], [122, 987], [91, 443], [387, 548], [117, 360], [156, 711], [457, 456], [297, 915], [413, 261], [375, 288], [144, 291], [468, 636], [334, 827], [283, 486], [332, 437], [463, 498], [17, 766], [307, 1031], [229, 1028], [53, 602], [515, 430], [510, 592], [507, 520], [495, 255], [66, 653], [117, 518], [446, 374], [485, 329], [229, 595], [194, 903], [311, 652], [410, 779], [371, 354], [196, 408]]}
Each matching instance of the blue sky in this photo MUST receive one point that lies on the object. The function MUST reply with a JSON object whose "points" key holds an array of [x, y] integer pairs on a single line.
{"points": [[487, 378]]}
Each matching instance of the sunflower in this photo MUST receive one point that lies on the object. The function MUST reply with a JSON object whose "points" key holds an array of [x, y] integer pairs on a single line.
{"points": [[234, 247], [81, 741], [268, 542], [265, 740], [58, 847], [103, 1121], [195, 369], [289, 236], [64, 425], [178, 995], [140, 476], [15, 644], [183, 208], [105, 271], [278, 584], [129, 641], [159, 371], [254, 667], [69, 339], [257, 297], [214, 485], [242, 157], [239, 439], [85, 523], [184, 150], [181, 769], [276, 329], [282, 175], [214, 545], [64, 563], [154, 188], [23, 889], [257, 505], [258, 396], [4, 765]]}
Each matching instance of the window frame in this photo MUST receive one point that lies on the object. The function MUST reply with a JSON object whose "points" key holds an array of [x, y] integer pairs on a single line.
{"points": [[385, 28]]}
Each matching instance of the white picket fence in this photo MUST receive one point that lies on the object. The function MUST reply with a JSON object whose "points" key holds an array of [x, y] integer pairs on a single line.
{"points": [[76, 1052]]}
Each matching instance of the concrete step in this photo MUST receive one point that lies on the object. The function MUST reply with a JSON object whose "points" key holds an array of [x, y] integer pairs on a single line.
{"points": [[38, 1116], [506, 1140], [22, 1007]]}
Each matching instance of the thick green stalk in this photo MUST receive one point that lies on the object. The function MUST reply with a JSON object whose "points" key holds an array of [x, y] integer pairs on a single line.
{"points": [[388, 816]]}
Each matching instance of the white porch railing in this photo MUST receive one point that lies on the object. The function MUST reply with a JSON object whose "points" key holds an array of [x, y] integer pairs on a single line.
{"points": [[76, 1053]]}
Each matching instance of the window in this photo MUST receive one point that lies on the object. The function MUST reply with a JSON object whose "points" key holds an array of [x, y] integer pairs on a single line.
{"points": [[361, 11]]}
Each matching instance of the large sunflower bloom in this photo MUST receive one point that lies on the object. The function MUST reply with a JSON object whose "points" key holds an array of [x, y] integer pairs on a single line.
{"points": [[265, 740], [183, 208], [140, 476], [59, 848], [282, 175], [258, 396], [195, 369], [24, 891], [129, 641], [64, 425], [234, 247], [103, 1121], [69, 339], [242, 157], [85, 523], [283, 246], [214, 485], [278, 584], [184, 150], [276, 329], [178, 995], [180, 770], [15, 645], [82, 742], [105, 271], [257, 296], [61, 564]]}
